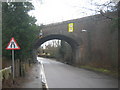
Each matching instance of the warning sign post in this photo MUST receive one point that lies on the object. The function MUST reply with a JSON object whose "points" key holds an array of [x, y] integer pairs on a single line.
{"points": [[12, 45]]}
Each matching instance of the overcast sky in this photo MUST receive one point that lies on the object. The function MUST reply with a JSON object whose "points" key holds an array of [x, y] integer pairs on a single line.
{"points": [[51, 11]]}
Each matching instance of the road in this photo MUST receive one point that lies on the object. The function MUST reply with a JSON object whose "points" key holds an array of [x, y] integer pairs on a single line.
{"points": [[59, 75]]}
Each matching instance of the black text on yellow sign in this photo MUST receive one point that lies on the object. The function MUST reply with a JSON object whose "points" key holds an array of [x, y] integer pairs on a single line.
{"points": [[70, 27]]}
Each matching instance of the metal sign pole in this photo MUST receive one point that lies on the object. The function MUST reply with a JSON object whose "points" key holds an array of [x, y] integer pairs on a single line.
{"points": [[13, 65], [12, 45]]}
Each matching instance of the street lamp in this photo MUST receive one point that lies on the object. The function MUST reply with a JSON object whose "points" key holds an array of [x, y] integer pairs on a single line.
{"points": [[40, 34]]}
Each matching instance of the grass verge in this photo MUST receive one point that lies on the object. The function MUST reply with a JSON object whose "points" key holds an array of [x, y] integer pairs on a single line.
{"points": [[101, 70]]}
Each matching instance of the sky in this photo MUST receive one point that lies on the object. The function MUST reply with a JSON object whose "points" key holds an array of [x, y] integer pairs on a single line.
{"points": [[52, 11]]}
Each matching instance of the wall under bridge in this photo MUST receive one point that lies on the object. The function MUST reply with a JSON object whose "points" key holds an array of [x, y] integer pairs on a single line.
{"points": [[94, 40]]}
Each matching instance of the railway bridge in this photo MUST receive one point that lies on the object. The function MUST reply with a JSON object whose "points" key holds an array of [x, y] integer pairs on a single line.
{"points": [[91, 39]]}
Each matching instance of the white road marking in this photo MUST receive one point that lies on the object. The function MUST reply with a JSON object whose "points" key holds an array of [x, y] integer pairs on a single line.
{"points": [[42, 74]]}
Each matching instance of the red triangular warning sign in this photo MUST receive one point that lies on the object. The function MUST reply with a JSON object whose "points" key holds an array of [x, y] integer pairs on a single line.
{"points": [[12, 45]]}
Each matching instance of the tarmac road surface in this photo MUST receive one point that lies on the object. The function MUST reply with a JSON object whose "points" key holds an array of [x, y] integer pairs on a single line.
{"points": [[59, 75]]}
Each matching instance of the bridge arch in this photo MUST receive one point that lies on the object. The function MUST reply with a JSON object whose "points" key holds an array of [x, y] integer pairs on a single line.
{"points": [[74, 44], [70, 41]]}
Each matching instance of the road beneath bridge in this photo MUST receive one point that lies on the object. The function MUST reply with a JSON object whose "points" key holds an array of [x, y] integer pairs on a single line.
{"points": [[59, 75]]}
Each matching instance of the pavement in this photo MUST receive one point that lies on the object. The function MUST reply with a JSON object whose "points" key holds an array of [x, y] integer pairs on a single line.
{"points": [[59, 75], [33, 79]]}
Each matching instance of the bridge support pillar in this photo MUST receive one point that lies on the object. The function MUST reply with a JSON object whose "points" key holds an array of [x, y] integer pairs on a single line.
{"points": [[77, 56], [34, 52]]}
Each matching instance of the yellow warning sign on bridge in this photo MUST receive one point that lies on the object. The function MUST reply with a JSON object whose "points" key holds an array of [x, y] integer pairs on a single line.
{"points": [[70, 27]]}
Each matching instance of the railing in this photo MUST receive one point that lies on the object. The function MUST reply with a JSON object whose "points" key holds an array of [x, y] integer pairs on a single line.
{"points": [[5, 73]]}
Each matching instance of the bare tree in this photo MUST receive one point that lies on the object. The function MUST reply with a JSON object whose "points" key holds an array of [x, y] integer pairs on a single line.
{"points": [[102, 8]]}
